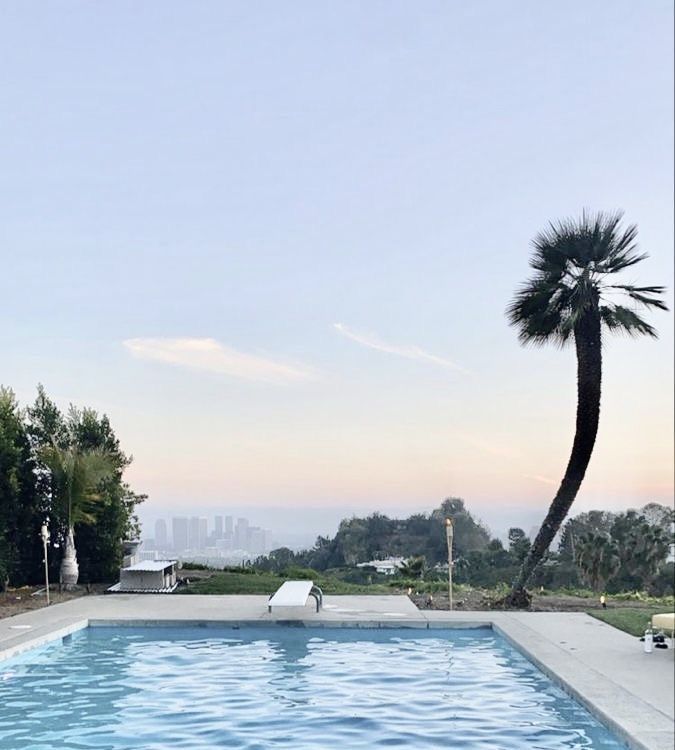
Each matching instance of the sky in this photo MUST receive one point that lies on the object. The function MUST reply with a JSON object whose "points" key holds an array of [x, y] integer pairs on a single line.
{"points": [[274, 242]]}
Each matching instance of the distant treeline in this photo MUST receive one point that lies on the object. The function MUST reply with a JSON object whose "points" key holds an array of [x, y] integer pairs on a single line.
{"points": [[377, 536], [601, 550]]}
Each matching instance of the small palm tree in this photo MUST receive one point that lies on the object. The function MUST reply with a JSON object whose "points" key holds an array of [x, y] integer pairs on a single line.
{"points": [[76, 477], [571, 298], [413, 567]]}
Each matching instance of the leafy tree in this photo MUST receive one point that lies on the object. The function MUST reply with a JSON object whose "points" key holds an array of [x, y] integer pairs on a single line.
{"points": [[593, 521], [663, 583], [20, 513], [642, 548], [378, 536], [598, 559], [497, 556], [44, 459], [659, 515], [639, 540], [519, 544], [353, 541], [469, 534], [46, 426], [322, 555], [568, 300], [45, 423], [485, 567], [281, 558], [99, 544], [379, 531]]}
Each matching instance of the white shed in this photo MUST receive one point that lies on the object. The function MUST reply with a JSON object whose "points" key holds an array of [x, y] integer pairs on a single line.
{"points": [[147, 576]]}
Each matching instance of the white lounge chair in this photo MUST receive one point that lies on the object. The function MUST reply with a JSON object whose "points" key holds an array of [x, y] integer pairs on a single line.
{"points": [[295, 594], [665, 621]]}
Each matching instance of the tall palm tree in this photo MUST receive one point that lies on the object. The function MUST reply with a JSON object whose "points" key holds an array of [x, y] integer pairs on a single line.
{"points": [[571, 298], [76, 476]]}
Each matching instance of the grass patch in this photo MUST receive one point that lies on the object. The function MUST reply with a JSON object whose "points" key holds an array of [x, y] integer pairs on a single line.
{"points": [[631, 620], [268, 583]]}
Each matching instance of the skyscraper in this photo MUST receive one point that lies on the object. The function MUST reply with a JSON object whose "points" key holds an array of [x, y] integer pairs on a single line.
{"points": [[180, 534], [161, 534], [218, 527], [203, 533], [193, 533], [228, 534], [241, 534], [258, 540]]}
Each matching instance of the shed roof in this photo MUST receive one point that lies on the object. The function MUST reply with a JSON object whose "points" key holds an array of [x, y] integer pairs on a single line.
{"points": [[148, 566]]}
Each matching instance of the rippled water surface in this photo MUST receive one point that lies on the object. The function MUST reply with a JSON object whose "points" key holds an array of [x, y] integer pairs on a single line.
{"points": [[284, 687]]}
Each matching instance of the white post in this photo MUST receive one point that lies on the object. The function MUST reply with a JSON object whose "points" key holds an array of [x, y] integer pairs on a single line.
{"points": [[44, 535], [449, 532]]}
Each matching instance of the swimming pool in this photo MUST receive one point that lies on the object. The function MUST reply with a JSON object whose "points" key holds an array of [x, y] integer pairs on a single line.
{"points": [[286, 687]]}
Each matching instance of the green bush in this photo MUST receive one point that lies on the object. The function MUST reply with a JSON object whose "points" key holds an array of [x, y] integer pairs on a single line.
{"points": [[189, 565], [248, 570], [644, 598], [299, 574], [664, 582]]}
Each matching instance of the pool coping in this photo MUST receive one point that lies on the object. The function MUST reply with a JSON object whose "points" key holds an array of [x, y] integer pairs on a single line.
{"points": [[589, 689], [632, 718]]}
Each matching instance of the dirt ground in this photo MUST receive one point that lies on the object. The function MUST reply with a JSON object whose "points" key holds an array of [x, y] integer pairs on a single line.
{"points": [[27, 598], [478, 600], [24, 599]]}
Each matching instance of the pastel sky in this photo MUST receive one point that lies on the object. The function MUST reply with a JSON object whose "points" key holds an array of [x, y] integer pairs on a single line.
{"points": [[275, 241]]}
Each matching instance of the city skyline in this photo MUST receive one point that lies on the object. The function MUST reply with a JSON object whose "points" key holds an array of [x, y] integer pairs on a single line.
{"points": [[275, 245], [228, 536]]}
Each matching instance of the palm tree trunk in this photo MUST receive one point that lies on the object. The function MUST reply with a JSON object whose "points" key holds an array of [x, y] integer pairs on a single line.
{"points": [[587, 339], [69, 571]]}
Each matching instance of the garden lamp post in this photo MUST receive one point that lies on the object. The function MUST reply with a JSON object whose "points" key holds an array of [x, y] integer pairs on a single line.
{"points": [[449, 533], [44, 535]]}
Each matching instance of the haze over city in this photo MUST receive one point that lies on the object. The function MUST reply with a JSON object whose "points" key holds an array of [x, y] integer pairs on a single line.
{"points": [[275, 243]]}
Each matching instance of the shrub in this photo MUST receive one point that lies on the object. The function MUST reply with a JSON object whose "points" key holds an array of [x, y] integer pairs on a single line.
{"points": [[189, 565], [664, 582], [300, 574]]}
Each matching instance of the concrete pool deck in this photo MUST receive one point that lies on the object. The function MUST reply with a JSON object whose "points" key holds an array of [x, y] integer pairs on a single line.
{"points": [[606, 670]]}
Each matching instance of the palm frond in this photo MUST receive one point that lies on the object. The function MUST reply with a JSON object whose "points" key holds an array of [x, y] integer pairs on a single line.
{"points": [[535, 312], [643, 295], [77, 477], [571, 259], [623, 320]]}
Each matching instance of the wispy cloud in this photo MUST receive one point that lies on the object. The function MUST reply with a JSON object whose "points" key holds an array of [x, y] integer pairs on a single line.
{"points": [[210, 355], [409, 352], [539, 478], [500, 450]]}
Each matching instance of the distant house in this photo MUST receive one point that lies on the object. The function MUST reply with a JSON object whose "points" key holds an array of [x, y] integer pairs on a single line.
{"points": [[388, 567]]}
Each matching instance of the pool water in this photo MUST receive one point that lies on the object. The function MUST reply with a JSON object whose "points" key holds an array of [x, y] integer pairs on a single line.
{"points": [[286, 687]]}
